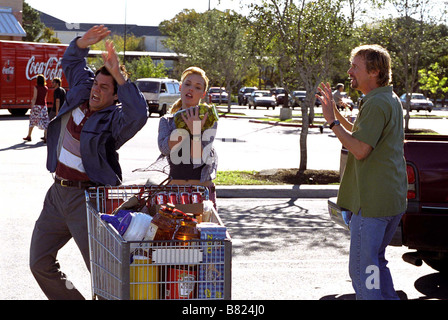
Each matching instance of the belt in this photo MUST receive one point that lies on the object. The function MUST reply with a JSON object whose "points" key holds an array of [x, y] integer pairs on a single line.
{"points": [[74, 184]]}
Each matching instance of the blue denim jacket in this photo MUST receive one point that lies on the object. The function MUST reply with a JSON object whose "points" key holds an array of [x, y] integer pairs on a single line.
{"points": [[105, 131]]}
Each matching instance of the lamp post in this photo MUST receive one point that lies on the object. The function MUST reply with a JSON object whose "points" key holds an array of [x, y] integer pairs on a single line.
{"points": [[125, 31]]}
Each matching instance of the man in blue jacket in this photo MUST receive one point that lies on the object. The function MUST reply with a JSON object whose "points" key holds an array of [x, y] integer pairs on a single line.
{"points": [[82, 146]]}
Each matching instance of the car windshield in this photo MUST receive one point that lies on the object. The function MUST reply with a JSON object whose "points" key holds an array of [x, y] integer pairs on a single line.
{"points": [[215, 90], [148, 86], [418, 97], [262, 94], [299, 93]]}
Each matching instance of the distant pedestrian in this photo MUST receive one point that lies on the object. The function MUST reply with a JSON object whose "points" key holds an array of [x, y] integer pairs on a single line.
{"points": [[337, 96], [39, 113], [58, 98], [374, 184]]}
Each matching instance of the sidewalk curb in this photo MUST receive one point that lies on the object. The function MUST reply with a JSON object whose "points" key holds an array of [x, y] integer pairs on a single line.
{"points": [[277, 191]]}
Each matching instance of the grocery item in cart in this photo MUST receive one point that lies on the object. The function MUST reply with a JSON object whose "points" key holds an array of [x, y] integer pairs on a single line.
{"points": [[135, 226], [144, 279], [207, 210], [115, 219], [181, 282], [164, 223], [196, 197], [211, 272], [203, 109], [187, 230]]}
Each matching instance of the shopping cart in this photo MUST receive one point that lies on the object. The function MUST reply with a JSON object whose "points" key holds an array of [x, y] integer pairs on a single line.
{"points": [[154, 270]]}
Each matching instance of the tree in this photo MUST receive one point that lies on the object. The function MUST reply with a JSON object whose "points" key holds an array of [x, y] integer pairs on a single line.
{"points": [[215, 41], [408, 37], [434, 80], [48, 36], [145, 68], [306, 38], [31, 23]]}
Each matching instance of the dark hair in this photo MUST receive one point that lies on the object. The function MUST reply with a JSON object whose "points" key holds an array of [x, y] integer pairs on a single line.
{"points": [[40, 80], [339, 85], [57, 81], [103, 70]]}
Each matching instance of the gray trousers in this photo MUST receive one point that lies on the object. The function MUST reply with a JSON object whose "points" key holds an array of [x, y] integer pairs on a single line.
{"points": [[63, 216]]}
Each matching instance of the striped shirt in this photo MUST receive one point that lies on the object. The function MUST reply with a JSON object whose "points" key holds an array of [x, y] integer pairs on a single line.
{"points": [[70, 165]]}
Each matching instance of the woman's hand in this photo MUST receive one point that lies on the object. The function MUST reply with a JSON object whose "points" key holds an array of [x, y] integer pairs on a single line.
{"points": [[193, 121]]}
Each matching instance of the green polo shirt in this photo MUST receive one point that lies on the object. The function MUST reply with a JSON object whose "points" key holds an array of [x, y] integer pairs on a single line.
{"points": [[377, 184]]}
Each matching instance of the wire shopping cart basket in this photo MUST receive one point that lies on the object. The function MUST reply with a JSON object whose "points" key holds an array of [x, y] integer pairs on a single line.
{"points": [[155, 269]]}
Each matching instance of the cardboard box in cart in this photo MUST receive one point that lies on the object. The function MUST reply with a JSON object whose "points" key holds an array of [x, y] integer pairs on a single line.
{"points": [[173, 269], [212, 274]]}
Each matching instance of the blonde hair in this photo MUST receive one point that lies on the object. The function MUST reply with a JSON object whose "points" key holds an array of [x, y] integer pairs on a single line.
{"points": [[376, 58], [191, 70]]}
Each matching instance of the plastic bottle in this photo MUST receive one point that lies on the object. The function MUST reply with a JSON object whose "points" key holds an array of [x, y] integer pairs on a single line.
{"points": [[165, 223], [187, 230]]}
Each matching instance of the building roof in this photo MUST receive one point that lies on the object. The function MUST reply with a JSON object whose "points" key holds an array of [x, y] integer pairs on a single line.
{"points": [[9, 26], [60, 25]]}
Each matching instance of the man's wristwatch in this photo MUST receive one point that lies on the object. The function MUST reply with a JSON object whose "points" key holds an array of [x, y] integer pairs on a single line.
{"points": [[334, 123]]}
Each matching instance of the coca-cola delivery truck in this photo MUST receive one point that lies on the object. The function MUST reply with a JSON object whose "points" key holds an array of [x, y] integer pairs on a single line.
{"points": [[20, 63]]}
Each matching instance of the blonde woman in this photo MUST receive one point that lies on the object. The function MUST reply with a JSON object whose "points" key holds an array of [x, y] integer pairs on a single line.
{"points": [[191, 156]]}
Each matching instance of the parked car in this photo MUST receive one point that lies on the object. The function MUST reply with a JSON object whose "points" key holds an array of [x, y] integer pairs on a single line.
{"points": [[424, 226], [261, 98], [160, 94], [244, 93], [298, 98], [279, 94], [280, 99], [217, 95], [418, 102]]}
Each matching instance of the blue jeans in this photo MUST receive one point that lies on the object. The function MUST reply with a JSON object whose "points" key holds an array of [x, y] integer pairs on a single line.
{"points": [[368, 269]]}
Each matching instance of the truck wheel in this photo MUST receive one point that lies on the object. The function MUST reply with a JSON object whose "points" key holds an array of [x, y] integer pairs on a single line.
{"points": [[440, 265], [18, 112]]}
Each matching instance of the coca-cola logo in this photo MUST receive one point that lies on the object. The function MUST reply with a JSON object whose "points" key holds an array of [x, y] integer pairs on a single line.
{"points": [[8, 71], [50, 69]]}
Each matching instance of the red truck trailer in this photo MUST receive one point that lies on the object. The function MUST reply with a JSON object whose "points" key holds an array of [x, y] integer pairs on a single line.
{"points": [[20, 63]]}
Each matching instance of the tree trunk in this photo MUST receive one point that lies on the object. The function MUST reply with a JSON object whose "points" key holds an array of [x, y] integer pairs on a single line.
{"points": [[303, 138]]}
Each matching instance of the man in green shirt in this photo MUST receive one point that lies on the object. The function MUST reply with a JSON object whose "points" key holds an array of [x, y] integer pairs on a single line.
{"points": [[374, 184]]}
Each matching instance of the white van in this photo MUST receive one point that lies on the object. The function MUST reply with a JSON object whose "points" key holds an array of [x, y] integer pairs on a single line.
{"points": [[160, 94]]}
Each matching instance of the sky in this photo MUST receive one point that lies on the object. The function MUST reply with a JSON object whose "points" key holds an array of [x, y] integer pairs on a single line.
{"points": [[145, 12], [139, 12]]}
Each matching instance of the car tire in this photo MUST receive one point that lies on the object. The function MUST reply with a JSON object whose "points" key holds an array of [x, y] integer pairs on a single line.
{"points": [[440, 265]]}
